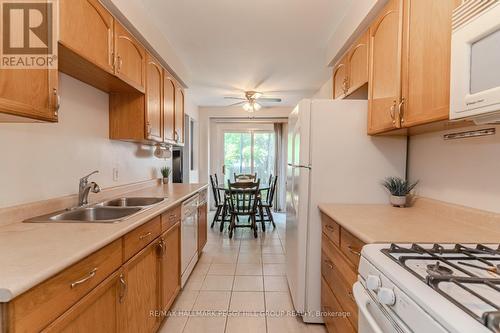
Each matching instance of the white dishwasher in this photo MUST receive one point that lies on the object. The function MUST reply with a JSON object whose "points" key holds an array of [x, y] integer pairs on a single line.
{"points": [[189, 237]]}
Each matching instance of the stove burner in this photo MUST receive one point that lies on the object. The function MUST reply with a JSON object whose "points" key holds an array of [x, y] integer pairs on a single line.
{"points": [[438, 269]]}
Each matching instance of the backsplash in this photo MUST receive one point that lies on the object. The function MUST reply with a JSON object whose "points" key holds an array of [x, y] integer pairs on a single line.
{"points": [[43, 161], [463, 171]]}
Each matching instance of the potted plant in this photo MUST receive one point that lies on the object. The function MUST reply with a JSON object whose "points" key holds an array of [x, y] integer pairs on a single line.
{"points": [[165, 172], [399, 189]]}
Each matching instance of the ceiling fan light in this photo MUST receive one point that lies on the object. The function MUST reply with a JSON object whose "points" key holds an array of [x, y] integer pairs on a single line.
{"points": [[247, 107], [257, 106]]}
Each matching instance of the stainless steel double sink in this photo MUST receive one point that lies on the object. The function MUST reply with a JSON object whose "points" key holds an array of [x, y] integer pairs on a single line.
{"points": [[111, 211]]}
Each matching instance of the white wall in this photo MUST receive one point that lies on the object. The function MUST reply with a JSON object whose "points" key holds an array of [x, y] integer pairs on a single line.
{"points": [[207, 113], [191, 109], [326, 90], [42, 161], [464, 171]]}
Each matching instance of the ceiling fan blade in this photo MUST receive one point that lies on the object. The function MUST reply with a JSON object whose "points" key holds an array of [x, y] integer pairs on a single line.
{"points": [[236, 104], [265, 99], [238, 98]]}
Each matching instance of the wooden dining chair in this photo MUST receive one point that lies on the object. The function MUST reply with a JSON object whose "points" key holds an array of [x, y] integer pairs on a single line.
{"points": [[220, 205], [266, 203], [243, 201]]}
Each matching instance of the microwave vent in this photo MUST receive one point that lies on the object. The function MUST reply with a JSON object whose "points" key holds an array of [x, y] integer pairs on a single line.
{"points": [[470, 9]]}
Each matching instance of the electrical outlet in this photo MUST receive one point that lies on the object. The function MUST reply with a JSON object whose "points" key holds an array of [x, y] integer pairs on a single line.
{"points": [[115, 174]]}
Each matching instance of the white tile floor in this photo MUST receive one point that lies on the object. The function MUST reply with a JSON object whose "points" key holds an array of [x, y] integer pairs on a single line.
{"points": [[235, 286]]}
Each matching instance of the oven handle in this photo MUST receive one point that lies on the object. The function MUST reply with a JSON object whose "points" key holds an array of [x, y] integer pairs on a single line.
{"points": [[362, 300]]}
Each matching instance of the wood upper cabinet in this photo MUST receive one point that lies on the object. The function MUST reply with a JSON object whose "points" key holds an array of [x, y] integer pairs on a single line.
{"points": [[340, 78], [97, 312], [426, 61], [130, 58], [179, 115], [142, 290], [29, 95], [86, 28], [170, 270], [410, 52], [357, 60], [385, 69], [169, 89], [154, 102]]}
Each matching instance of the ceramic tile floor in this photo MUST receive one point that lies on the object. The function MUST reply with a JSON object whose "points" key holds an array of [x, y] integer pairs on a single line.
{"points": [[234, 281]]}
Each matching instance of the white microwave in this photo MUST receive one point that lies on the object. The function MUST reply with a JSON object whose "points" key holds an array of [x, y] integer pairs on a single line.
{"points": [[475, 62]]}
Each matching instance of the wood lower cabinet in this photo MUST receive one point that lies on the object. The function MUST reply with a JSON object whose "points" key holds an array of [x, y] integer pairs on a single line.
{"points": [[130, 58], [154, 102], [29, 95], [340, 255], [409, 79], [142, 289], [170, 270], [98, 312]]}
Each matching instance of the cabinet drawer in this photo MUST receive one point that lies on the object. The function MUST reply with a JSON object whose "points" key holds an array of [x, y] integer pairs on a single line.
{"points": [[341, 288], [137, 239], [334, 320], [36, 308], [351, 246], [344, 266], [331, 229], [170, 218]]}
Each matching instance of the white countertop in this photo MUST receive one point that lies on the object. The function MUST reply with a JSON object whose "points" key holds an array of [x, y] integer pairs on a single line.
{"points": [[32, 252]]}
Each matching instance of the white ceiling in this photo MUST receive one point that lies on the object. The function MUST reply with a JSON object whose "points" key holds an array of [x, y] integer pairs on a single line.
{"points": [[274, 46]]}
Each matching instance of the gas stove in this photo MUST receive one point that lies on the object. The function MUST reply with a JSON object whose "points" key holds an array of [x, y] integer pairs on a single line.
{"points": [[449, 287]]}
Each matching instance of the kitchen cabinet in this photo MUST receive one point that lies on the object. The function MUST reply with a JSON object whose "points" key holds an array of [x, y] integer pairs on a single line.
{"points": [[142, 290], [357, 60], [87, 28], [29, 95], [409, 64], [340, 79], [179, 115], [97, 312], [170, 270], [130, 58], [340, 255], [169, 90], [154, 102]]}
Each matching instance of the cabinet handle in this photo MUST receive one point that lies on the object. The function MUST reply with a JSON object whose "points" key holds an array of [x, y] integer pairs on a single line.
{"points": [[161, 248], [58, 101], [148, 128], [351, 296], [356, 253], [176, 136], [400, 110], [328, 263], [85, 279], [393, 112], [345, 85], [329, 227], [120, 63], [123, 288], [146, 235]]}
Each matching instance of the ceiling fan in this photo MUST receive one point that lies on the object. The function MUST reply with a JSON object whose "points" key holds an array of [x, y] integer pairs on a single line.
{"points": [[251, 101]]}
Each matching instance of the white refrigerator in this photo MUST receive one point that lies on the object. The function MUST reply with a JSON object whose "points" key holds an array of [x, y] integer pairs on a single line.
{"points": [[331, 159]]}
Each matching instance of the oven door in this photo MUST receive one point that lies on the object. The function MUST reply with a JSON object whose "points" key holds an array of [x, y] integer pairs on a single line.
{"points": [[475, 59], [373, 318]]}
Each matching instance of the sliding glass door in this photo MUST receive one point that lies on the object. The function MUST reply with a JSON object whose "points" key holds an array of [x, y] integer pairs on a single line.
{"points": [[249, 152]]}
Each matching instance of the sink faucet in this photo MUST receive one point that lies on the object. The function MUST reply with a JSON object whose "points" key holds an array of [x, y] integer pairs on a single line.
{"points": [[85, 187]]}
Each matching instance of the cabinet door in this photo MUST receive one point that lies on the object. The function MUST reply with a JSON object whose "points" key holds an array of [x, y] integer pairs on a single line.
{"points": [[154, 105], [97, 312], [340, 79], [358, 63], [202, 227], [168, 107], [141, 277], [385, 69], [28, 93], [179, 115], [426, 61], [130, 58], [170, 266], [86, 28]]}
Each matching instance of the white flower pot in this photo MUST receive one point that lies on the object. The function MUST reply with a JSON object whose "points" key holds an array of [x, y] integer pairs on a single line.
{"points": [[165, 180], [398, 201]]}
